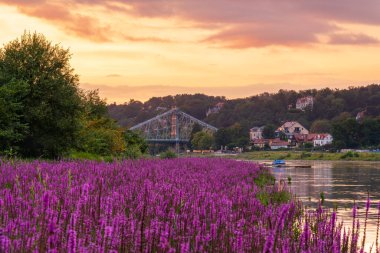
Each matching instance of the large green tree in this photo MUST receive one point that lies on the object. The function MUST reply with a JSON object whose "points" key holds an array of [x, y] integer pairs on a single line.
{"points": [[202, 140], [12, 129], [52, 105], [346, 133]]}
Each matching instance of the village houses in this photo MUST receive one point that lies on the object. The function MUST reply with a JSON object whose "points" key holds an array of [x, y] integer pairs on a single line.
{"points": [[294, 133]]}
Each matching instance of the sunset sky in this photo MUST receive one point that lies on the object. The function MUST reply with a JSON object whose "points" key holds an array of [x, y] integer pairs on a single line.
{"points": [[142, 48]]}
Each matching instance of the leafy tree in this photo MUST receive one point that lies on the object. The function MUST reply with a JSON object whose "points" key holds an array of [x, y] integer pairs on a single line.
{"points": [[52, 106], [94, 106], [101, 136], [203, 140], [223, 137], [321, 126], [12, 129], [346, 133], [196, 128], [135, 144], [370, 132], [269, 131]]}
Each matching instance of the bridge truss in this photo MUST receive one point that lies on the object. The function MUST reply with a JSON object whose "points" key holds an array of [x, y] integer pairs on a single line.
{"points": [[173, 126]]}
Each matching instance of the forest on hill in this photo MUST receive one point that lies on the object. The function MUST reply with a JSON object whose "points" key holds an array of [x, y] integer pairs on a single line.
{"points": [[266, 108], [333, 110]]}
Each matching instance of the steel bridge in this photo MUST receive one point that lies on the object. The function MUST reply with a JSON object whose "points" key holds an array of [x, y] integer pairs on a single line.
{"points": [[173, 126]]}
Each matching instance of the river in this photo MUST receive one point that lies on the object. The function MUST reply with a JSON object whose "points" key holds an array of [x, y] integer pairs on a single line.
{"points": [[342, 183]]}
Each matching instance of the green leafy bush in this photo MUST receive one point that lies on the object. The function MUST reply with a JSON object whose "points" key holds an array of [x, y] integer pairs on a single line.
{"points": [[169, 154]]}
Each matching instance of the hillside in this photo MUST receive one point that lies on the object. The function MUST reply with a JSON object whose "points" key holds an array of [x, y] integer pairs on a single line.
{"points": [[257, 110]]}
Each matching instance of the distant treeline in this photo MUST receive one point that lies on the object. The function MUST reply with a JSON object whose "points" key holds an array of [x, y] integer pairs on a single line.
{"points": [[259, 110], [331, 106]]}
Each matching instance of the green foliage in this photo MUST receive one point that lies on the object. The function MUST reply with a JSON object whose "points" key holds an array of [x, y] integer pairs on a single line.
{"points": [[44, 113], [12, 127], [196, 128], [346, 133], [305, 155], [321, 126], [203, 141], [84, 156], [101, 136], [51, 102], [168, 154], [223, 137], [322, 195], [370, 132], [349, 155], [269, 131], [133, 152], [349, 133], [329, 106], [233, 136], [94, 106], [308, 145], [135, 142], [264, 179], [279, 197]]}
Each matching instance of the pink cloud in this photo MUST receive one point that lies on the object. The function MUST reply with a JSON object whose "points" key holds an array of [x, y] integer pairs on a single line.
{"points": [[352, 39], [235, 23]]}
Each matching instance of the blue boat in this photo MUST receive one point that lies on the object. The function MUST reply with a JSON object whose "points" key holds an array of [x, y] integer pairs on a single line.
{"points": [[278, 162]]}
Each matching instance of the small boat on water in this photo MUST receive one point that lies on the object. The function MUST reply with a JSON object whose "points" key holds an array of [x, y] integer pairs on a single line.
{"points": [[278, 163]]}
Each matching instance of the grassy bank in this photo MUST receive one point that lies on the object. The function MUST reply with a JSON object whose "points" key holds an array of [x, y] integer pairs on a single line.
{"points": [[299, 155]]}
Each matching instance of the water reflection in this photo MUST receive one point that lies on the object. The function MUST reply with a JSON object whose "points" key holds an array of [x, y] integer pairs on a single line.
{"points": [[342, 183]]}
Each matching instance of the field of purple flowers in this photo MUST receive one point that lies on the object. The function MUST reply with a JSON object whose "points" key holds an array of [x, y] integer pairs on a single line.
{"points": [[178, 205]]}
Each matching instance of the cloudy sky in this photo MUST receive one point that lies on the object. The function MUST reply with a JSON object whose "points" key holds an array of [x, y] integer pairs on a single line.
{"points": [[237, 48]]}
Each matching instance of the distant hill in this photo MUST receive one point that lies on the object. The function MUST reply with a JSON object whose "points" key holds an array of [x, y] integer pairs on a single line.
{"points": [[266, 108]]}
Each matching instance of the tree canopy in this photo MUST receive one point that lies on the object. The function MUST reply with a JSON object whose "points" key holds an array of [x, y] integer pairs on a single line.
{"points": [[51, 101], [44, 113]]}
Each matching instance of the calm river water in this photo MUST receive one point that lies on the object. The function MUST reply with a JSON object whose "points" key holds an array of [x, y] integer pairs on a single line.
{"points": [[341, 182]]}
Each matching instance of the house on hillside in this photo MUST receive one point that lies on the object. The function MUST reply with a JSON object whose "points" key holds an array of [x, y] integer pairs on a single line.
{"points": [[260, 143], [215, 109], [305, 102], [277, 144], [300, 139], [322, 140], [360, 115], [256, 133], [316, 139], [290, 128]]}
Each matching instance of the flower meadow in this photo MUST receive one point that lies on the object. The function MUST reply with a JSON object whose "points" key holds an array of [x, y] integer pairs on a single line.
{"points": [[172, 205]]}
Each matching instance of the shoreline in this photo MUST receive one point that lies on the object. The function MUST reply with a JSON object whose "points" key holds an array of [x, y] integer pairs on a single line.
{"points": [[302, 156]]}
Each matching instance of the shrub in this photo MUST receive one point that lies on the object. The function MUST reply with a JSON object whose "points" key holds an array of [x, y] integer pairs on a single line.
{"points": [[169, 154]]}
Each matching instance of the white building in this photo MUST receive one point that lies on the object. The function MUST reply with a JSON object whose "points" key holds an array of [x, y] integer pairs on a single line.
{"points": [[256, 133], [305, 102], [322, 140]]}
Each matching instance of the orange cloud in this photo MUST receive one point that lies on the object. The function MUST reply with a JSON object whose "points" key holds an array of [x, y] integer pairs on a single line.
{"points": [[235, 24], [80, 25]]}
